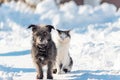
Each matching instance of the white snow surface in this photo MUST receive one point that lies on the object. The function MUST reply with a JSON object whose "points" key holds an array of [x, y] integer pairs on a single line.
{"points": [[94, 47]]}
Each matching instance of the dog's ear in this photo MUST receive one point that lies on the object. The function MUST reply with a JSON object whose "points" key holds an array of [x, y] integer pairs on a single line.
{"points": [[50, 27], [34, 27]]}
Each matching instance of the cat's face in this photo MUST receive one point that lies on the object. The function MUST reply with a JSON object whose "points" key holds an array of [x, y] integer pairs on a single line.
{"points": [[64, 36]]}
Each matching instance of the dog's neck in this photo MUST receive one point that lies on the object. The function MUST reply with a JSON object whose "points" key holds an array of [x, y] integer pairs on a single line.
{"points": [[42, 51]]}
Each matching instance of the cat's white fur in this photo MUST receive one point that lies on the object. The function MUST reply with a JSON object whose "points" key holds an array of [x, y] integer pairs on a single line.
{"points": [[62, 52]]}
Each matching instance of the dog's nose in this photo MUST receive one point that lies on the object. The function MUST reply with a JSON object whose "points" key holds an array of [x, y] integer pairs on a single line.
{"points": [[42, 45]]}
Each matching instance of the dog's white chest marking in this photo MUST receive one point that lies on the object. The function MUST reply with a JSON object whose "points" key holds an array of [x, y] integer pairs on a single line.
{"points": [[42, 58]]}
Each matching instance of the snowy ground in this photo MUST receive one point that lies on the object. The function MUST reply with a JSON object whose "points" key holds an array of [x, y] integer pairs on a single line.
{"points": [[95, 43]]}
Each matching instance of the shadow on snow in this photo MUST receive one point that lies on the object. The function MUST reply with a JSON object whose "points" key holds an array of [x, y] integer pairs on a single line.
{"points": [[11, 69], [87, 74], [16, 53]]}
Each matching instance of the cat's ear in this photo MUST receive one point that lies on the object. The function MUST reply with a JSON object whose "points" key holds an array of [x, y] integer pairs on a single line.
{"points": [[68, 31], [59, 31]]}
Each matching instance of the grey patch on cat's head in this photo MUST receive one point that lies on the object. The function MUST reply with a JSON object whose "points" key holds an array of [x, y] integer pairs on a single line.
{"points": [[64, 34]]}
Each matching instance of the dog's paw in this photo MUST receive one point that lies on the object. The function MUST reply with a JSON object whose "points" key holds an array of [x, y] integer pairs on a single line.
{"points": [[49, 77], [39, 77]]}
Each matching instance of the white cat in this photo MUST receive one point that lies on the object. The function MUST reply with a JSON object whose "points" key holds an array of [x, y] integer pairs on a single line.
{"points": [[64, 62]]}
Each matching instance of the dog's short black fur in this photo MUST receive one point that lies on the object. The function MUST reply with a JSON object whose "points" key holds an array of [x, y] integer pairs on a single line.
{"points": [[43, 49]]}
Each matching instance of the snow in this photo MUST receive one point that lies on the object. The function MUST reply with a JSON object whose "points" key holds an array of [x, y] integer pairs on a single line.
{"points": [[95, 41]]}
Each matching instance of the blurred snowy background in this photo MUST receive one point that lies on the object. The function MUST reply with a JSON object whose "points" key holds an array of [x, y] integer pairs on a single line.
{"points": [[95, 42]]}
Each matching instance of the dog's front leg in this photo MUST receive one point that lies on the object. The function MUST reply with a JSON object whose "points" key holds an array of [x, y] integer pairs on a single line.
{"points": [[39, 70], [49, 71]]}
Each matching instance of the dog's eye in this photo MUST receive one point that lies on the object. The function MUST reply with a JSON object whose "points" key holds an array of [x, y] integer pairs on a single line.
{"points": [[38, 34], [45, 33]]}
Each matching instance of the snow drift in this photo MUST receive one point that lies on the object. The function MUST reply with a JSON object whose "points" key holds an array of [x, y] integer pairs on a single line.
{"points": [[95, 42]]}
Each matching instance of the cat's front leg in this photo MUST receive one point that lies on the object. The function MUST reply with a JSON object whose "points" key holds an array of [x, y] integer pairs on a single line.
{"points": [[58, 65]]}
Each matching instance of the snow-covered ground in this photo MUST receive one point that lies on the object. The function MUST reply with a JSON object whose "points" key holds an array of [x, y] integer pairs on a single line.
{"points": [[95, 42]]}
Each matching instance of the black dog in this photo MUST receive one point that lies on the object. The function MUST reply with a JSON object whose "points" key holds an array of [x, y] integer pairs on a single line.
{"points": [[43, 49]]}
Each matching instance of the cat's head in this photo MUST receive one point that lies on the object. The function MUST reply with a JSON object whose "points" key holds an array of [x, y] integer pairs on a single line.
{"points": [[64, 36]]}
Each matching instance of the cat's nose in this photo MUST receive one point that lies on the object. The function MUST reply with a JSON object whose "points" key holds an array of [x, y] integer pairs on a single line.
{"points": [[63, 37]]}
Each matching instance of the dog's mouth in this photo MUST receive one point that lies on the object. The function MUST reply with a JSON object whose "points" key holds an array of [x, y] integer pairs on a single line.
{"points": [[42, 45]]}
